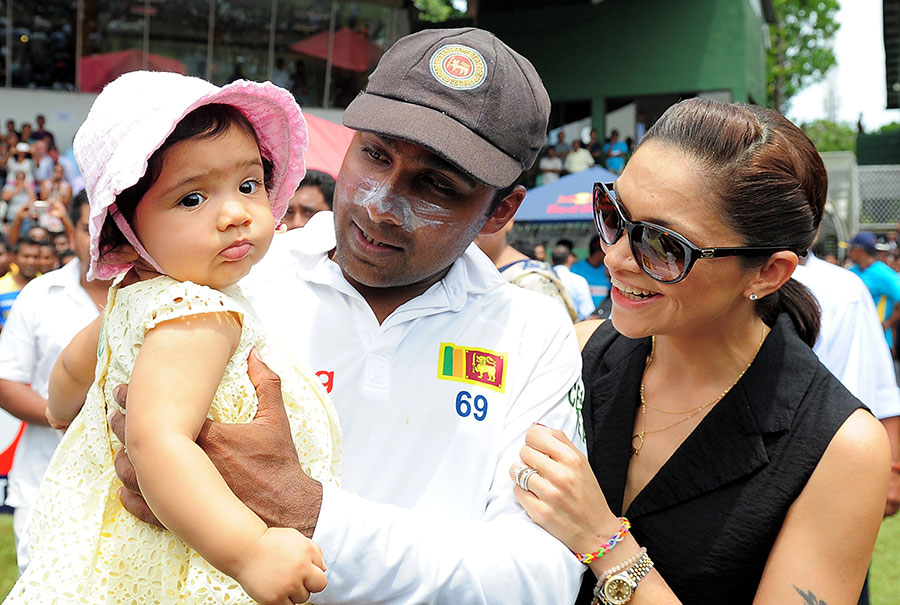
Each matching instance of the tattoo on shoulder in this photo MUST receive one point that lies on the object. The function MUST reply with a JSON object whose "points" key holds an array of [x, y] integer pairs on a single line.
{"points": [[809, 598]]}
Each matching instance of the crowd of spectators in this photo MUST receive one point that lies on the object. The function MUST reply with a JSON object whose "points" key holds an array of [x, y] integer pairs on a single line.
{"points": [[563, 158], [38, 188]]}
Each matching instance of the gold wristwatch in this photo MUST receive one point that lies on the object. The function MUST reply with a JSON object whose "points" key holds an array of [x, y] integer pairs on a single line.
{"points": [[618, 588]]}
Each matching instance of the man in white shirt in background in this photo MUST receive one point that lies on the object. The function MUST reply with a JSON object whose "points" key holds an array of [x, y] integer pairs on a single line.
{"points": [[579, 159], [48, 312], [551, 167], [577, 287], [851, 345]]}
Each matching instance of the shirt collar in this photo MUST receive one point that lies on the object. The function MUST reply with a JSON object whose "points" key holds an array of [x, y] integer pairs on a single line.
{"points": [[472, 273]]}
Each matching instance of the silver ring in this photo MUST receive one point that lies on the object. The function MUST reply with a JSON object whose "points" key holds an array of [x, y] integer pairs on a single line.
{"points": [[524, 475], [520, 468]]}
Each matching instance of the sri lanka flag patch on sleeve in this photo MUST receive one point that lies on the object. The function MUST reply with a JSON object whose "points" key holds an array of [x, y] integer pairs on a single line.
{"points": [[473, 366]]}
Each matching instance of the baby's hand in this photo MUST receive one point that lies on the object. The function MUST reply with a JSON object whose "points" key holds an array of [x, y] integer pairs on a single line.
{"points": [[283, 568]]}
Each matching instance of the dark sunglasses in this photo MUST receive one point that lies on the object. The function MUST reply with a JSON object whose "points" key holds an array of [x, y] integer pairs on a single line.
{"points": [[662, 254]]}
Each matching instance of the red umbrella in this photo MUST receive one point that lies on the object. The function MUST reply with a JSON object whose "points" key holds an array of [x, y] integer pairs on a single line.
{"points": [[99, 70], [328, 143], [352, 50]]}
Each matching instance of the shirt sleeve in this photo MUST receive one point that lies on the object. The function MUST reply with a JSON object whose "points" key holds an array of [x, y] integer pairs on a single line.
{"points": [[859, 357], [378, 553], [17, 342]]}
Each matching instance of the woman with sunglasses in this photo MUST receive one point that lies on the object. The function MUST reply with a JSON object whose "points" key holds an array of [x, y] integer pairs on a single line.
{"points": [[725, 464]]}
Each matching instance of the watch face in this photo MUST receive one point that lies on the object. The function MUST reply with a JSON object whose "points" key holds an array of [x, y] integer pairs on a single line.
{"points": [[617, 590]]}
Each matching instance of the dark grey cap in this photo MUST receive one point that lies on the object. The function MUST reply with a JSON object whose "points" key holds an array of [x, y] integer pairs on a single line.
{"points": [[462, 94]]}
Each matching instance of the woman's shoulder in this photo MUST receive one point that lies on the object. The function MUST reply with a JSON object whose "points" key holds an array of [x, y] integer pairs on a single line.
{"points": [[584, 330]]}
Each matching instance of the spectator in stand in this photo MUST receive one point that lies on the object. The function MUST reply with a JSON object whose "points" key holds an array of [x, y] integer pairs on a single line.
{"points": [[11, 130], [540, 252], [43, 163], [7, 151], [57, 188], [70, 168], [5, 257], [594, 271], [61, 242], [315, 194], [42, 134], [639, 128], [579, 159], [883, 282], [48, 260], [562, 148], [595, 147], [280, 76], [20, 160], [49, 312], [615, 152], [18, 195], [38, 220], [551, 167], [576, 286], [24, 268], [27, 134], [4, 157]]}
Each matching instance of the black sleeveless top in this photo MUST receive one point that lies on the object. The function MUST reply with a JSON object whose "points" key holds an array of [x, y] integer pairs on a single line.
{"points": [[710, 516]]}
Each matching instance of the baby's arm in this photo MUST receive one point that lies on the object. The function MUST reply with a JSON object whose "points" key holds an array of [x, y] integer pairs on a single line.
{"points": [[175, 377], [72, 376]]}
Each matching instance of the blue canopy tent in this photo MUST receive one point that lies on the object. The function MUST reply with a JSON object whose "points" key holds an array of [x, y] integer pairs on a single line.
{"points": [[567, 199]]}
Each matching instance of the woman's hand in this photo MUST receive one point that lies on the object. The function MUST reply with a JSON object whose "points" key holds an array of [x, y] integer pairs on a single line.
{"points": [[564, 498]]}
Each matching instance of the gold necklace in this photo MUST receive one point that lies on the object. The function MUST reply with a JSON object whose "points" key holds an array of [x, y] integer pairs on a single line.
{"points": [[637, 440]]}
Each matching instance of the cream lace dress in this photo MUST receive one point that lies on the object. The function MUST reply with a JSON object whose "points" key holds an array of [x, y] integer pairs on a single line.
{"points": [[85, 547]]}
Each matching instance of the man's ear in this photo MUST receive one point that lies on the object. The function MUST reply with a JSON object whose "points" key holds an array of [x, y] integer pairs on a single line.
{"points": [[504, 211]]}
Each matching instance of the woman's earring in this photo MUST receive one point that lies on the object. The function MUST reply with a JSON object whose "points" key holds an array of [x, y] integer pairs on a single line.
{"points": [[753, 296]]}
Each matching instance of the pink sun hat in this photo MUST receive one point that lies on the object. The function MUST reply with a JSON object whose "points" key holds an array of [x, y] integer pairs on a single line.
{"points": [[136, 113]]}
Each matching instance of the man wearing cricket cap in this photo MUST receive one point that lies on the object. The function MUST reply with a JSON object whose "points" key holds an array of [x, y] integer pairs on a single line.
{"points": [[436, 364]]}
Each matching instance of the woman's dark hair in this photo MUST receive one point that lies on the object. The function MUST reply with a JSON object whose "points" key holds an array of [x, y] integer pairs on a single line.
{"points": [[205, 122], [770, 179]]}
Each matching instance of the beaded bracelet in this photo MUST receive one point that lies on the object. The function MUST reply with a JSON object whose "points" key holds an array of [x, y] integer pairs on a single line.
{"points": [[588, 558]]}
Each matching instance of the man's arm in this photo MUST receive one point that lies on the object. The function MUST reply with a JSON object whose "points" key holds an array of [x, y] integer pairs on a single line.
{"points": [[18, 399], [892, 319], [379, 553]]}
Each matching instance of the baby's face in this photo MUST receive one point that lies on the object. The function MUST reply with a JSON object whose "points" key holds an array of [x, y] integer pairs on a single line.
{"points": [[207, 218]]}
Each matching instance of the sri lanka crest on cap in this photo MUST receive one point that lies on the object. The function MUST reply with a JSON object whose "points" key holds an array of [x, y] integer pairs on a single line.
{"points": [[458, 66]]}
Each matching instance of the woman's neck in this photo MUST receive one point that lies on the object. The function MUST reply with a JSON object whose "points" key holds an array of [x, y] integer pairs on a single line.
{"points": [[709, 356]]}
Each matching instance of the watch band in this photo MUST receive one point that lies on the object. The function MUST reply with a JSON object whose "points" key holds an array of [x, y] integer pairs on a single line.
{"points": [[619, 583]]}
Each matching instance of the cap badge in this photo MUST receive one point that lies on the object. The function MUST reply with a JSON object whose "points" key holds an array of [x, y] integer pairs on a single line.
{"points": [[458, 67]]}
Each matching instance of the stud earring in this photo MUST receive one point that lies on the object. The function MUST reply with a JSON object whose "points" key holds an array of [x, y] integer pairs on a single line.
{"points": [[753, 296]]}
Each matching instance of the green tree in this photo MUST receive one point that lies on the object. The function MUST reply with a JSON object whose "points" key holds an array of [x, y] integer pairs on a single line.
{"points": [[888, 128], [831, 136], [799, 51], [436, 10]]}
